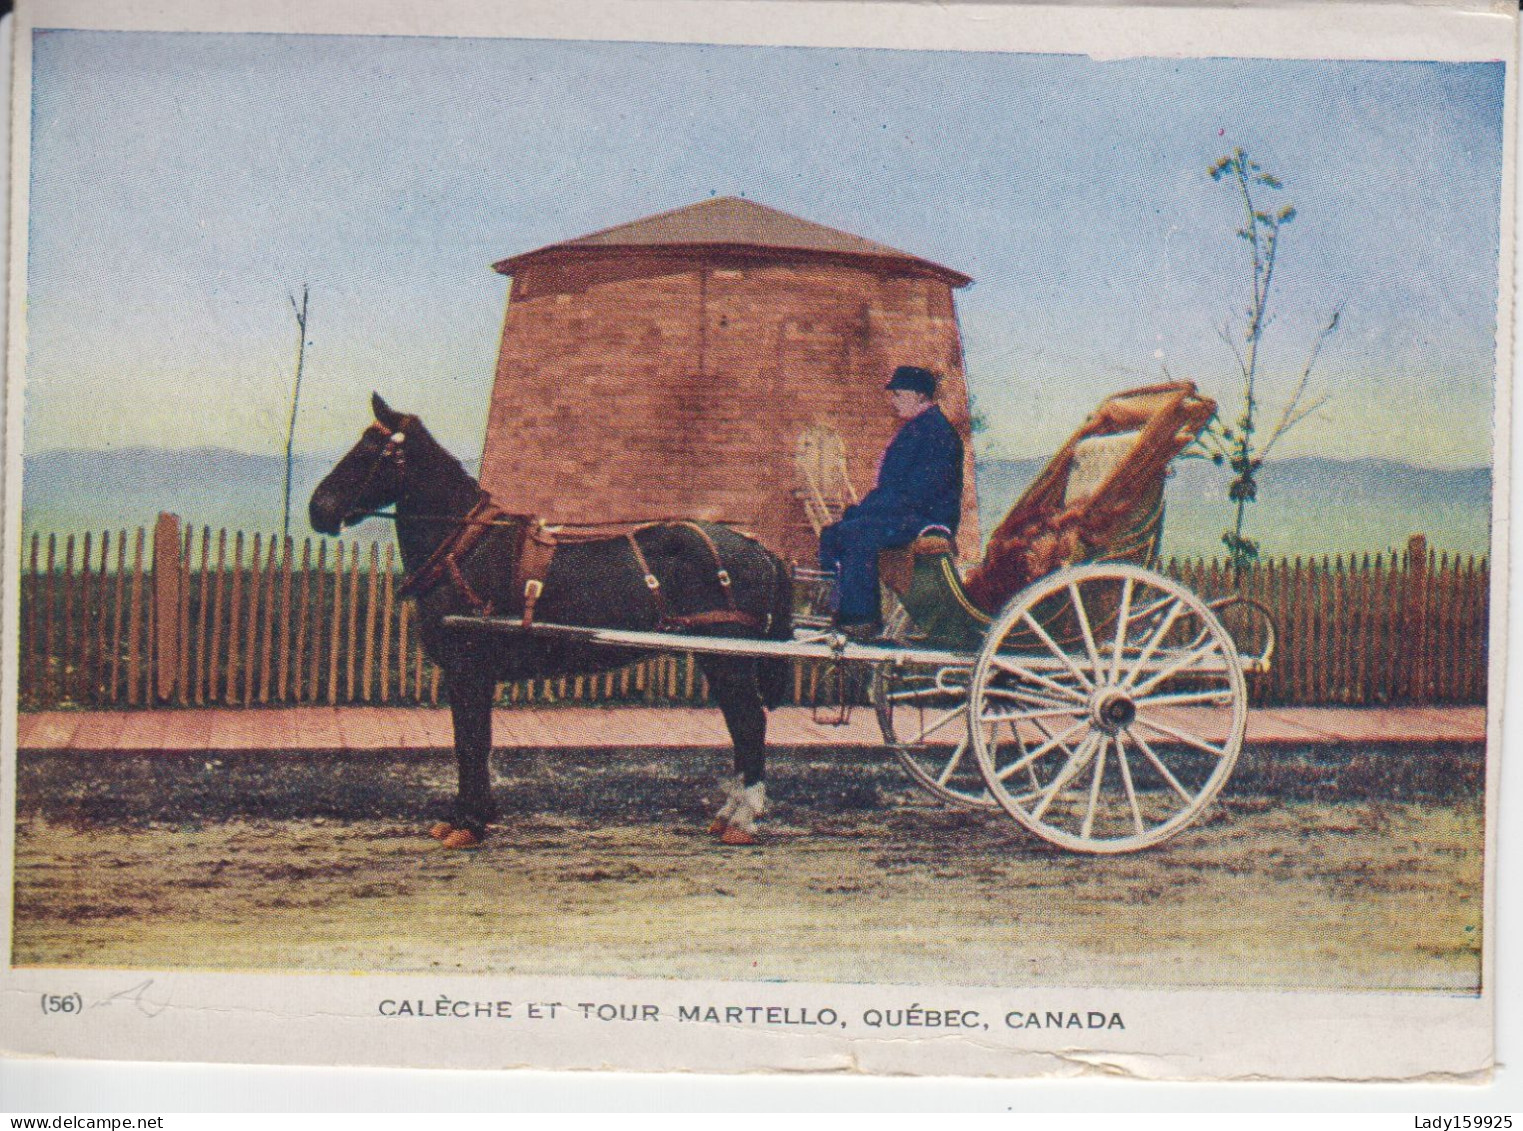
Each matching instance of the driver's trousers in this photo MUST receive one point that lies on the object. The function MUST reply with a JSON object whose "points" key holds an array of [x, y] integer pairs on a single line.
{"points": [[850, 549]]}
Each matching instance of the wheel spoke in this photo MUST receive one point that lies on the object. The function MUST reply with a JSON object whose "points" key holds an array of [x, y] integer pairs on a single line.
{"points": [[1184, 736], [1052, 646], [922, 711], [1018, 716], [1025, 698], [1015, 669], [946, 771], [1031, 756], [1041, 726], [1031, 767], [1089, 635], [1154, 641], [1071, 769], [938, 724], [1146, 612], [1126, 782], [1147, 751], [1221, 697], [1121, 626], [1178, 665], [1094, 790]]}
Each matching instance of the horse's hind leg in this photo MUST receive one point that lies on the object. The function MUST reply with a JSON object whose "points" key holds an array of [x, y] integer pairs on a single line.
{"points": [[735, 687], [470, 704]]}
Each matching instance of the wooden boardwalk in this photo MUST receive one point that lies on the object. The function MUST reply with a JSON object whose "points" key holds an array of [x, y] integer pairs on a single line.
{"points": [[381, 729]]}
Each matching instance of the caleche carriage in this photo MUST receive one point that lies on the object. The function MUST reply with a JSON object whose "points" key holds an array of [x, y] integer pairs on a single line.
{"points": [[1063, 680]]}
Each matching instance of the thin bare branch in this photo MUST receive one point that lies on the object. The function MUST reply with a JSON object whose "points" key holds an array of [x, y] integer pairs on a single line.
{"points": [[1291, 417], [1225, 335], [1209, 437], [1240, 168], [1302, 415]]}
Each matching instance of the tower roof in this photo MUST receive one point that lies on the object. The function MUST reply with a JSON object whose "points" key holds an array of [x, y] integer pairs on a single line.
{"points": [[730, 224]]}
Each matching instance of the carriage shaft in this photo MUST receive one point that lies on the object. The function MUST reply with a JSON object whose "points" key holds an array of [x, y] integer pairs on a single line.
{"points": [[830, 647]]}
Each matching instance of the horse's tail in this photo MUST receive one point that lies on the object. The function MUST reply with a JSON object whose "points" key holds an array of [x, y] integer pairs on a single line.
{"points": [[772, 674]]}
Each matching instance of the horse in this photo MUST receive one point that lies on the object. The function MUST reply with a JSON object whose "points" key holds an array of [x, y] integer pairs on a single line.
{"points": [[465, 556]]}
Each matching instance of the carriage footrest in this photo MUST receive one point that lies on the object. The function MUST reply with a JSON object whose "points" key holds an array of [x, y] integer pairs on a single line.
{"points": [[1244, 616]]}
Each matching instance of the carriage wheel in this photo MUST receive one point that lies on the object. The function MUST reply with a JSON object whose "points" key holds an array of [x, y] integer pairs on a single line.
{"points": [[1108, 708], [923, 714]]}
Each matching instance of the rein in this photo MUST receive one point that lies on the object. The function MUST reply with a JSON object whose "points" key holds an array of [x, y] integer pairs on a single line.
{"points": [[614, 526], [530, 556], [458, 519]]}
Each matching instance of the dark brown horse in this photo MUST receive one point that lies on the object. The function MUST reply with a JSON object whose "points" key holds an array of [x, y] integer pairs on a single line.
{"points": [[464, 556]]}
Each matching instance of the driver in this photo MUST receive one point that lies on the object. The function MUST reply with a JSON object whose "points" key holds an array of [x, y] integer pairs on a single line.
{"points": [[919, 485]]}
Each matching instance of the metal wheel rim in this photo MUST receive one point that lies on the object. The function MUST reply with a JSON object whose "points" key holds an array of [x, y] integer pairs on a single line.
{"points": [[1079, 709]]}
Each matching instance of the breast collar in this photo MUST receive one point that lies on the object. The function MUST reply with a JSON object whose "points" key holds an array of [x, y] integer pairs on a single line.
{"points": [[445, 560]]}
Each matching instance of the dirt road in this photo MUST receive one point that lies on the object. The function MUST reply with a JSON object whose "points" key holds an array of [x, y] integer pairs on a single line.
{"points": [[1345, 868]]}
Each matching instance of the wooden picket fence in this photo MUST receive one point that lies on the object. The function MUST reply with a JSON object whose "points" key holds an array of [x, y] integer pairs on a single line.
{"points": [[255, 620], [246, 620], [1366, 630]]}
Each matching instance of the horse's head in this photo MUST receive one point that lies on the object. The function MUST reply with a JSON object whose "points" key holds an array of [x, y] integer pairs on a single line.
{"points": [[370, 476]]}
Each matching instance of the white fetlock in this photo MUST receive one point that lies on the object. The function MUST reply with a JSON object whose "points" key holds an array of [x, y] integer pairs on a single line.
{"points": [[752, 803], [733, 788]]}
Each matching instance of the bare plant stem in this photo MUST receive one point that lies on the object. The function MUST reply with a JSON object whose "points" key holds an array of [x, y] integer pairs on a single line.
{"points": [[301, 353]]}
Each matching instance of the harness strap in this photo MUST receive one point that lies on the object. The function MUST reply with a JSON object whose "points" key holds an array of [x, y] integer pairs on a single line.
{"points": [[533, 553], [446, 559], [536, 550], [652, 582], [667, 621], [710, 618], [480, 605], [719, 570], [566, 531]]}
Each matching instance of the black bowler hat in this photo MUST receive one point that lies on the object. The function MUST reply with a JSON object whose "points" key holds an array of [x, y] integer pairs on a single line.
{"points": [[915, 379]]}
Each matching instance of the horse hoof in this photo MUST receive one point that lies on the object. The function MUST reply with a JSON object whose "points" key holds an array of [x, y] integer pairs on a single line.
{"points": [[734, 834], [718, 826], [462, 838], [441, 831]]}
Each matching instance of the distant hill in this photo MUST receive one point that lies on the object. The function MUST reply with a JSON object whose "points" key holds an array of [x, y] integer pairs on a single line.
{"points": [[74, 491], [1307, 505]]}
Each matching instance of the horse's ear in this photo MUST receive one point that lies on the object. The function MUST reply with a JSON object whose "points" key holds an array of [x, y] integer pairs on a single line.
{"points": [[383, 412]]}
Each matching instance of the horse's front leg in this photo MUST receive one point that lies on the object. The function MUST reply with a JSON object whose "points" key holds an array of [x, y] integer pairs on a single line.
{"points": [[470, 703], [735, 687]]}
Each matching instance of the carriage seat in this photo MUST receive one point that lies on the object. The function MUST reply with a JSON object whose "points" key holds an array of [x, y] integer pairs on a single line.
{"points": [[896, 567]]}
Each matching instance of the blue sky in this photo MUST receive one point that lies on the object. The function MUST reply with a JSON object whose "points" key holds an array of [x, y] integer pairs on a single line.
{"points": [[184, 184]]}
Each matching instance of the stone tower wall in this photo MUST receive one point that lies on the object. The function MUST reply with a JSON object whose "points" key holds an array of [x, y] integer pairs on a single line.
{"points": [[642, 387]]}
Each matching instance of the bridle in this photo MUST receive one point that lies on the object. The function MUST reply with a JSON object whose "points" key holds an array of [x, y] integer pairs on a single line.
{"points": [[393, 453], [396, 438]]}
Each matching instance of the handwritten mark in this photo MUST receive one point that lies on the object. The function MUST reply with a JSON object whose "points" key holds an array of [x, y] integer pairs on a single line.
{"points": [[138, 996]]}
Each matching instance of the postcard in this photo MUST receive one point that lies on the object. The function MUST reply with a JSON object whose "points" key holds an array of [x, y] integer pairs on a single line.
{"points": [[730, 537]]}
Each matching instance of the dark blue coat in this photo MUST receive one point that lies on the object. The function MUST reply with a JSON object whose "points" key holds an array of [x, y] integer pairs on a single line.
{"points": [[920, 479]]}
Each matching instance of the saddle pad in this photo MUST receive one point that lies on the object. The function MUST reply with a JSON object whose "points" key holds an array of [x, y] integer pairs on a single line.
{"points": [[1094, 460]]}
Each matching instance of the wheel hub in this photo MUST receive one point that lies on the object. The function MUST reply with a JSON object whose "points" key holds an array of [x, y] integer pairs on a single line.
{"points": [[1113, 711]]}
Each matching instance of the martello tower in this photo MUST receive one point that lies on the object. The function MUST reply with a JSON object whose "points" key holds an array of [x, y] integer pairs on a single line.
{"points": [[668, 367]]}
